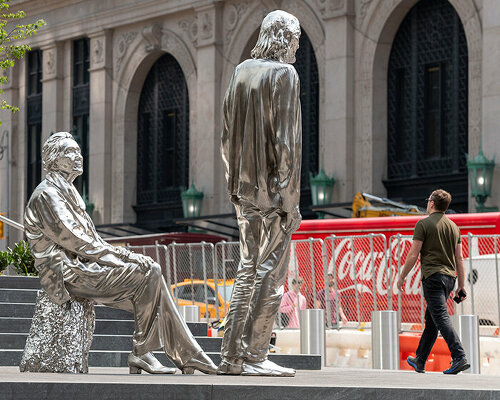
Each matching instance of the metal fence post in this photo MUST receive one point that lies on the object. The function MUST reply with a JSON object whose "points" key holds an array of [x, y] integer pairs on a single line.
{"points": [[356, 293], [325, 277], [313, 278], [216, 280], [174, 260], [204, 265], [471, 273], [496, 271], [372, 263]]}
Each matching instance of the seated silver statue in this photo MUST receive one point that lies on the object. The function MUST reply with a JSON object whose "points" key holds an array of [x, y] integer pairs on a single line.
{"points": [[261, 151], [73, 261]]}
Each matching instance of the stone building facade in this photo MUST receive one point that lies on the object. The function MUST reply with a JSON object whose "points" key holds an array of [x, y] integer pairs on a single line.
{"points": [[204, 40]]}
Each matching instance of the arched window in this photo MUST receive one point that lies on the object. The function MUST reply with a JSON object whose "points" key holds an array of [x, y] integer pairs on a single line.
{"points": [[427, 106], [162, 144], [307, 68]]}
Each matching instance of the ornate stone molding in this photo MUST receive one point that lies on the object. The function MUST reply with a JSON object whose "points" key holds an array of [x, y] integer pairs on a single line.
{"points": [[232, 15], [152, 36], [51, 61], [97, 56], [363, 8], [121, 47], [172, 44], [190, 27], [208, 21], [332, 8]]}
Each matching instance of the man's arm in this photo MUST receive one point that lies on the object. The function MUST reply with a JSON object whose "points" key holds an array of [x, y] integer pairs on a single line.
{"points": [[460, 270], [410, 261]]}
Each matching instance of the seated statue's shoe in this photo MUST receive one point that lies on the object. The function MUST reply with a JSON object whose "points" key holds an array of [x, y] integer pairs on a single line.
{"points": [[265, 368], [229, 368], [147, 362], [200, 362]]}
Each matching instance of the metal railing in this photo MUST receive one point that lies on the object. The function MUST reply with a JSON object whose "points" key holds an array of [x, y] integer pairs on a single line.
{"points": [[359, 273]]}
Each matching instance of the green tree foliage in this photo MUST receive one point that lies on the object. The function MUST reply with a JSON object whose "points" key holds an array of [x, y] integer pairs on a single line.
{"points": [[10, 32]]}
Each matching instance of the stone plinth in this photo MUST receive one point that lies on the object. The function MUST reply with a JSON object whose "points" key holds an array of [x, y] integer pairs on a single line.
{"points": [[60, 336]]}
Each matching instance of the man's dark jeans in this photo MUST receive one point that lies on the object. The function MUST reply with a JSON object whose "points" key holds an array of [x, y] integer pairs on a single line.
{"points": [[437, 289]]}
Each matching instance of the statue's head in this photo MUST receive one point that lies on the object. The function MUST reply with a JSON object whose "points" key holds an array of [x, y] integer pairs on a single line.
{"points": [[61, 153], [278, 38]]}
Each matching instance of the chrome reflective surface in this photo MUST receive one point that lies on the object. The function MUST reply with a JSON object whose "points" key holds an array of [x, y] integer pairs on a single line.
{"points": [[261, 150], [60, 336], [74, 261]]}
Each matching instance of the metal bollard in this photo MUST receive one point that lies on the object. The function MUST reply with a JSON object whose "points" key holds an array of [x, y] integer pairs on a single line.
{"points": [[190, 313], [385, 340], [467, 328], [312, 332]]}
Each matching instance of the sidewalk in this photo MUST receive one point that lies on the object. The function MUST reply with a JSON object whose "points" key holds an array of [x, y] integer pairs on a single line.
{"points": [[330, 383]]}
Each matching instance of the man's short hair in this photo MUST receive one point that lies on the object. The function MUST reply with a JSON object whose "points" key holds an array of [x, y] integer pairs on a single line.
{"points": [[51, 149], [275, 34], [441, 199]]}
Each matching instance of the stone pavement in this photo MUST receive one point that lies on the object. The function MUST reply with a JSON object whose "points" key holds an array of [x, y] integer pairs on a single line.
{"points": [[329, 383]]}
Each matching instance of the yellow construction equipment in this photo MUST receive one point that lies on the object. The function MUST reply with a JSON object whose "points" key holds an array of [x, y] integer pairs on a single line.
{"points": [[363, 208]]}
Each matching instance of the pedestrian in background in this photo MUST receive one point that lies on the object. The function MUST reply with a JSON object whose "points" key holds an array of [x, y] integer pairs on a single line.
{"points": [[437, 239], [334, 298], [292, 302]]}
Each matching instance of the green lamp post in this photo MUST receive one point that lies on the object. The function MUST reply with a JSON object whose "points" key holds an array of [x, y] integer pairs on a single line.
{"points": [[321, 189], [481, 178], [192, 201]]}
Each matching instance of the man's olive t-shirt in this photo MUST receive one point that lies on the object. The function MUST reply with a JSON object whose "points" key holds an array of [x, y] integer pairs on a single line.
{"points": [[440, 237]]}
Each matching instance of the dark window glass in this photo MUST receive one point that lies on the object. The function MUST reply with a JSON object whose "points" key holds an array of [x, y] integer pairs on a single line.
{"points": [[34, 77], [307, 70], [162, 145], [81, 106], [433, 131], [427, 103]]}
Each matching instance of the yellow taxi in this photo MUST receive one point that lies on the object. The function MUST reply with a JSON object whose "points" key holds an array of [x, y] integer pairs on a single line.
{"points": [[192, 292]]}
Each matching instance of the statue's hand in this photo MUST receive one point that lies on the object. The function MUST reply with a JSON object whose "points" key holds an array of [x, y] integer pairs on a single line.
{"points": [[292, 221]]}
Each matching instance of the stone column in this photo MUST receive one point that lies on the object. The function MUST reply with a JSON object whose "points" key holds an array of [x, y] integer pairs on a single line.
{"points": [[338, 130], [11, 143], [491, 94], [52, 89], [100, 125], [206, 164]]}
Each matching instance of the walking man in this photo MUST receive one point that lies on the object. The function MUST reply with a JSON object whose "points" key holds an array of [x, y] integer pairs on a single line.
{"points": [[437, 239], [261, 151]]}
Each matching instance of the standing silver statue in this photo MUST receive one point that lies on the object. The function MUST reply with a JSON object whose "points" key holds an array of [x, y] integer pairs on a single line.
{"points": [[73, 261], [261, 151]]}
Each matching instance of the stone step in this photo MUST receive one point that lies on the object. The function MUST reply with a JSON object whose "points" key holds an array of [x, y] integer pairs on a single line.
{"points": [[99, 358], [13, 341], [18, 295], [19, 282], [26, 310], [102, 326]]}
